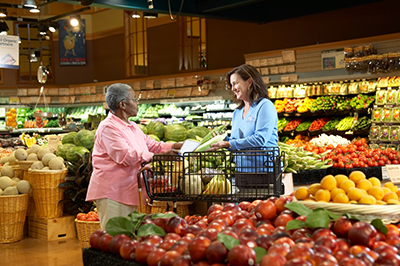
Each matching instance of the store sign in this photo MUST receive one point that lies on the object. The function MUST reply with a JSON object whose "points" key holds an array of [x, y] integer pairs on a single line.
{"points": [[72, 43], [9, 54], [393, 173], [332, 59]]}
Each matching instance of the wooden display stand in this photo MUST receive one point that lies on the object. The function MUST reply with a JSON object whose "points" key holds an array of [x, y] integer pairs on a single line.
{"points": [[53, 228]]}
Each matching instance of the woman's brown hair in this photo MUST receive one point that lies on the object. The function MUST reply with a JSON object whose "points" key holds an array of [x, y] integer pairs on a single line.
{"points": [[257, 90]]}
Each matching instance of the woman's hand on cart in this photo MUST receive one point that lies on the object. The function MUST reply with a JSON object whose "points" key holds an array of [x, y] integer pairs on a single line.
{"points": [[171, 155]]}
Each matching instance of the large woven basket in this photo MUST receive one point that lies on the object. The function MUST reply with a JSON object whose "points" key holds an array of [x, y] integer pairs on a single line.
{"points": [[25, 165], [26, 176], [46, 192], [182, 207], [12, 217], [366, 213], [158, 206], [84, 230]]}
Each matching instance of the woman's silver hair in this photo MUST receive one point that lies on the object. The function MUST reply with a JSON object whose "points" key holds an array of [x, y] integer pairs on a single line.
{"points": [[116, 93]]}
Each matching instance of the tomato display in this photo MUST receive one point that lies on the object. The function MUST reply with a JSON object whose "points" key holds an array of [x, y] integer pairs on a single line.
{"points": [[91, 216]]}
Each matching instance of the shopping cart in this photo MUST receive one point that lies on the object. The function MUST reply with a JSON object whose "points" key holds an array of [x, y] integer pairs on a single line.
{"points": [[215, 176]]}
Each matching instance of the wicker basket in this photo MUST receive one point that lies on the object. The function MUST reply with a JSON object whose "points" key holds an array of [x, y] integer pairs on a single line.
{"points": [[46, 192], [84, 230], [25, 165], [182, 207], [12, 217], [17, 171], [366, 213], [158, 206]]}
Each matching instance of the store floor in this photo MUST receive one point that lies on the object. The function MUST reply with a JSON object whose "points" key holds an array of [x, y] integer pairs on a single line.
{"points": [[35, 252]]}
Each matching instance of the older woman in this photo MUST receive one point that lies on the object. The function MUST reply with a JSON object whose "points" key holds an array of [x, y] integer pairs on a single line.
{"points": [[255, 120], [119, 150]]}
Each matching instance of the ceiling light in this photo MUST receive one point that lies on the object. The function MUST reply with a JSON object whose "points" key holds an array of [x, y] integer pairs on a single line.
{"points": [[135, 14], [42, 29], [53, 26], [29, 3], [3, 12], [150, 4], [74, 21], [34, 10], [150, 15], [3, 27]]}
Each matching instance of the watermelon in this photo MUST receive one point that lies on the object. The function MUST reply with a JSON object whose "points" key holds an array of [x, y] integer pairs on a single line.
{"points": [[62, 149], [143, 128], [175, 132], [69, 138], [72, 153], [154, 137], [84, 138], [156, 128], [197, 131], [188, 125]]}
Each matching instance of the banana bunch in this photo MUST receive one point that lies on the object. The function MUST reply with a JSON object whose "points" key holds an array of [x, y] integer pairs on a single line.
{"points": [[27, 140], [218, 185]]}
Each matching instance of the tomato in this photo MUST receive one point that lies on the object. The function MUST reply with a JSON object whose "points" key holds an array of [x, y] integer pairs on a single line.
{"points": [[356, 164], [330, 146], [376, 163], [340, 164], [370, 163], [361, 148], [381, 162], [81, 216], [362, 164], [388, 162], [391, 156], [395, 162], [349, 166], [335, 165]]}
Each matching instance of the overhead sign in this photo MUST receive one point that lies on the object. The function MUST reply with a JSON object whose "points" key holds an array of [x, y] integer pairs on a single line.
{"points": [[9, 54], [72, 43]]}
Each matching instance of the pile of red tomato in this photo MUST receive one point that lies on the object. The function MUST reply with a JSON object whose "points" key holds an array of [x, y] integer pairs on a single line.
{"points": [[91, 216], [358, 154], [192, 219]]}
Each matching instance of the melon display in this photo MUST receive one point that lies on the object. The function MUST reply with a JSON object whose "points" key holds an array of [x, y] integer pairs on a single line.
{"points": [[156, 128], [197, 131], [69, 138], [175, 132], [72, 153], [62, 150], [143, 128], [154, 137], [84, 138]]}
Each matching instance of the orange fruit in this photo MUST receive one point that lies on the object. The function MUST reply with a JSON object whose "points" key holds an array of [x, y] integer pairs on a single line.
{"points": [[391, 186], [386, 190], [354, 194], [356, 176], [364, 184], [341, 198], [374, 181], [314, 188], [390, 196], [339, 179], [376, 192], [328, 182], [13, 111], [302, 193], [368, 199], [347, 184], [323, 195], [336, 191]]}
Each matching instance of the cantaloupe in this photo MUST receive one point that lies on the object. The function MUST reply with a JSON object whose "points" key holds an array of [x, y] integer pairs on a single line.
{"points": [[32, 157], [5, 182], [12, 159], [3, 160], [37, 165], [7, 171], [47, 157], [10, 191], [56, 164], [1, 192], [42, 152], [16, 179], [34, 149], [21, 154], [23, 187]]}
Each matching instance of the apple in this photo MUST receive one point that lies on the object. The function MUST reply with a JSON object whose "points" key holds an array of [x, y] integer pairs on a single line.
{"points": [[239, 215], [176, 225], [265, 210], [184, 260], [174, 236], [265, 241], [248, 233], [197, 248], [301, 232], [321, 249], [94, 238], [305, 240], [193, 229], [362, 233], [244, 205], [167, 244], [228, 218], [180, 246], [216, 253], [117, 241], [212, 215], [213, 208], [367, 259], [161, 222], [278, 249], [342, 226], [231, 206], [104, 242], [155, 256], [298, 262], [155, 239], [210, 233], [301, 252], [127, 249], [281, 202], [142, 251], [169, 258], [285, 241], [241, 255], [282, 219], [273, 260], [323, 259], [327, 241], [322, 232], [229, 232], [387, 259], [343, 244]]}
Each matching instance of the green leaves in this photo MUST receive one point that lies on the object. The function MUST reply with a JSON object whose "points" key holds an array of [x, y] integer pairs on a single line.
{"points": [[298, 208], [228, 241], [150, 229], [378, 224], [120, 225]]}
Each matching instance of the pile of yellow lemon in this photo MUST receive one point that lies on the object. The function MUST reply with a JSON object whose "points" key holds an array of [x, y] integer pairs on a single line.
{"points": [[355, 188], [11, 118]]}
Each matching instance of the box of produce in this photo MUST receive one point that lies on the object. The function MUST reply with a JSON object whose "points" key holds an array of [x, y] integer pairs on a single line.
{"points": [[345, 124], [303, 126], [361, 101], [394, 133], [391, 96], [292, 125], [309, 177], [384, 133], [374, 132], [372, 171], [362, 123], [381, 97], [396, 115], [377, 114], [318, 124], [331, 124], [387, 114]]}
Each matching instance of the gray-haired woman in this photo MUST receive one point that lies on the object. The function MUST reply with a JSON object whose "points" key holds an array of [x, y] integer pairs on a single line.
{"points": [[120, 148]]}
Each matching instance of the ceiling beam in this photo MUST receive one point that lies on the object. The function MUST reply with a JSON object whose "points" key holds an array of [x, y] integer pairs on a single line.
{"points": [[212, 5]]}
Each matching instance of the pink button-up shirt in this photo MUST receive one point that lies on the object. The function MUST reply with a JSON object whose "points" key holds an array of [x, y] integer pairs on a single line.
{"points": [[118, 152]]}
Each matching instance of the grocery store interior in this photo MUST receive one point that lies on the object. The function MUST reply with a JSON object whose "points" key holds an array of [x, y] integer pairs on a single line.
{"points": [[332, 70]]}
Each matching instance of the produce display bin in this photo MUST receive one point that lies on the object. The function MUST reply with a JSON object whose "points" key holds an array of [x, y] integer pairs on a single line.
{"points": [[53, 228], [84, 230], [309, 177], [216, 176], [374, 171], [12, 217]]}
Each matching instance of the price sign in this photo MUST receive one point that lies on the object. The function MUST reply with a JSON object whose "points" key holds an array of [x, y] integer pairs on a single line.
{"points": [[171, 93], [14, 100], [393, 171], [53, 142]]}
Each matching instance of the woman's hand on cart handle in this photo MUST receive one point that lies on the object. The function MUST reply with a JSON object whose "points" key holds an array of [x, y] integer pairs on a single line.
{"points": [[171, 155], [177, 145], [219, 145]]}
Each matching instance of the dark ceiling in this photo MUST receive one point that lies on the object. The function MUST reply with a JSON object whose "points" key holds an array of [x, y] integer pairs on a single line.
{"points": [[257, 11]]}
